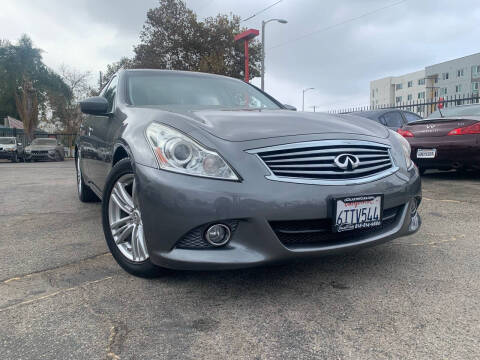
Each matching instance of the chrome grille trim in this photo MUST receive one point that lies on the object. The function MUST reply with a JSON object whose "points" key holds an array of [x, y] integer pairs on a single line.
{"points": [[312, 162]]}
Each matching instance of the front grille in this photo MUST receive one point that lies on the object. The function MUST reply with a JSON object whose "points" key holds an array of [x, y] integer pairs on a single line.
{"points": [[315, 161], [318, 232], [194, 238], [40, 152]]}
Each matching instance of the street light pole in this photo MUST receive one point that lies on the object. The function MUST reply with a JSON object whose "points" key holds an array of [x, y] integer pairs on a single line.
{"points": [[303, 97], [281, 21]]}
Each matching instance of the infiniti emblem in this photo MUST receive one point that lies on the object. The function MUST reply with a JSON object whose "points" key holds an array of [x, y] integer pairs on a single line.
{"points": [[347, 161]]}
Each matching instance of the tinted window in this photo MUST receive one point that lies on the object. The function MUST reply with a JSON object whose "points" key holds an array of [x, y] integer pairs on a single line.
{"points": [[7, 141], [393, 119], [411, 117], [110, 93], [183, 89]]}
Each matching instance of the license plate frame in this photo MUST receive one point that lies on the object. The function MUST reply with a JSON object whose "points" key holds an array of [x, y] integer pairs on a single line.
{"points": [[376, 220], [424, 153]]}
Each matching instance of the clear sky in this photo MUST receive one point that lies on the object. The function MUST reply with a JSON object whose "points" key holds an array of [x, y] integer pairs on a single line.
{"points": [[327, 45]]}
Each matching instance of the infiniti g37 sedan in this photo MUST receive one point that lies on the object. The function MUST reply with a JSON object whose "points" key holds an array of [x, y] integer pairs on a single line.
{"points": [[199, 171]]}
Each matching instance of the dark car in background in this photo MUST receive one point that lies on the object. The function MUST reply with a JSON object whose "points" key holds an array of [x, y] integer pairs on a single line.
{"points": [[11, 149], [391, 118], [201, 171], [45, 149], [446, 139]]}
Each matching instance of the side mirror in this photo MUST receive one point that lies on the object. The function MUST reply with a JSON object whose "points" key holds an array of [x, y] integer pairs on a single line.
{"points": [[96, 105], [290, 107]]}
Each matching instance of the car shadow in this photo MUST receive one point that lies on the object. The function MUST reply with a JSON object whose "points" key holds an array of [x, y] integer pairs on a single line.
{"points": [[472, 175], [340, 272]]}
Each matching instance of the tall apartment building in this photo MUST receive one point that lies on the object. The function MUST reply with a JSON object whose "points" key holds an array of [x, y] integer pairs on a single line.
{"points": [[459, 77]]}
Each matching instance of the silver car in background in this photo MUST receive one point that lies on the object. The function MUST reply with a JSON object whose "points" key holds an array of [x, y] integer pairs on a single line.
{"points": [[11, 149], [45, 149]]}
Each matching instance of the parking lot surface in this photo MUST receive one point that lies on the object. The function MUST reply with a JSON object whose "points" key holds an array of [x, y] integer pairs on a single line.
{"points": [[62, 296]]}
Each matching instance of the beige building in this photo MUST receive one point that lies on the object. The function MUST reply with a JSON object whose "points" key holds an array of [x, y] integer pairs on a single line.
{"points": [[397, 90]]}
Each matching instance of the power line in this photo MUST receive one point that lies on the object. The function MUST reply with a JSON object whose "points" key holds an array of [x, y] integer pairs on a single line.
{"points": [[261, 11], [338, 24]]}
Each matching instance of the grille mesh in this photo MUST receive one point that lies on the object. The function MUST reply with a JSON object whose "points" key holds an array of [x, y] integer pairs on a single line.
{"points": [[297, 233], [194, 238], [316, 160]]}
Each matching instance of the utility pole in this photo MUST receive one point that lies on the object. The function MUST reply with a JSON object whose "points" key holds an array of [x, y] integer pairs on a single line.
{"points": [[303, 97], [281, 21]]}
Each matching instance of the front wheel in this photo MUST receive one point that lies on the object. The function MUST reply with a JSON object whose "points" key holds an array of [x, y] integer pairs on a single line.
{"points": [[122, 222], [14, 158]]}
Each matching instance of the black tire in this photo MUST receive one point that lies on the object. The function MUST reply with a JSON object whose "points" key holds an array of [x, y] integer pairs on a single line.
{"points": [[144, 269], [14, 158], [58, 157], [85, 194]]}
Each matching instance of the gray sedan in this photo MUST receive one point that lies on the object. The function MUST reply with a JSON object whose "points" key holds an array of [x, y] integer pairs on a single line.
{"points": [[198, 171]]}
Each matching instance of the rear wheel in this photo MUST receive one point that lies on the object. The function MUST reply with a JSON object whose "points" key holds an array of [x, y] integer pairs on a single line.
{"points": [[122, 222], [85, 194]]}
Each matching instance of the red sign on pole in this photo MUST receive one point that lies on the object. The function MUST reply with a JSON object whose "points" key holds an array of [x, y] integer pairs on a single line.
{"points": [[440, 103], [246, 36]]}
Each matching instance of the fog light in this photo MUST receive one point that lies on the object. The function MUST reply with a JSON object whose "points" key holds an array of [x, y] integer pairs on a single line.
{"points": [[218, 234]]}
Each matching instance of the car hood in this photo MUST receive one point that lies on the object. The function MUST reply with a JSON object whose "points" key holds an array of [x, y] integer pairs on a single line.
{"points": [[41, 147], [244, 125]]}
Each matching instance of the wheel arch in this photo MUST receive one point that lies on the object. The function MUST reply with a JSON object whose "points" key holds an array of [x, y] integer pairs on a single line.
{"points": [[122, 151]]}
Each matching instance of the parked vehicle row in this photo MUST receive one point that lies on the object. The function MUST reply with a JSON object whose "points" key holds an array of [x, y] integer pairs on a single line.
{"points": [[39, 149], [447, 139]]}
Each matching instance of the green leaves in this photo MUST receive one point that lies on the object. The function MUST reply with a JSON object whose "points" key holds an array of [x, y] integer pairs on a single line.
{"points": [[26, 82], [173, 38]]}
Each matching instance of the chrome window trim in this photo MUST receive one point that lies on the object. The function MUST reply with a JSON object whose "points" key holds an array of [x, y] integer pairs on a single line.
{"points": [[360, 180]]}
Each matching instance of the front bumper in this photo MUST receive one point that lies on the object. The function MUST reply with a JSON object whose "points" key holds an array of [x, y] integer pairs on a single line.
{"points": [[7, 154], [39, 155], [174, 204]]}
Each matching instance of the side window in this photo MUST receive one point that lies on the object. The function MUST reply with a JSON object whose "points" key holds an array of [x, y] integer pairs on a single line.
{"points": [[411, 117], [110, 93], [393, 119]]}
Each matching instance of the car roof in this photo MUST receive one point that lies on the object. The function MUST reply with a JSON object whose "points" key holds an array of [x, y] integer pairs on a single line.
{"points": [[373, 114]]}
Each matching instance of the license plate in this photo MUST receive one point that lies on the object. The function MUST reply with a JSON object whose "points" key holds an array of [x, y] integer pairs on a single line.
{"points": [[426, 153], [358, 212]]}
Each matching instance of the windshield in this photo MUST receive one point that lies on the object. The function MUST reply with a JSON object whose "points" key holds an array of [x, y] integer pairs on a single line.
{"points": [[469, 110], [5, 141], [194, 91], [44, 142]]}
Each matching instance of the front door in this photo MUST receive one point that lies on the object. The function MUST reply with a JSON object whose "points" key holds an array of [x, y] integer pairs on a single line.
{"points": [[102, 130]]}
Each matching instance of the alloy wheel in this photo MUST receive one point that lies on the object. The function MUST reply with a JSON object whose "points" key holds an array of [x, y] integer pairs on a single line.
{"points": [[125, 220]]}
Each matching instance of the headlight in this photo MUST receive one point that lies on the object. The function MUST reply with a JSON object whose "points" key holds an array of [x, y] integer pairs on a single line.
{"points": [[28, 151], [179, 153], [407, 150], [51, 151]]}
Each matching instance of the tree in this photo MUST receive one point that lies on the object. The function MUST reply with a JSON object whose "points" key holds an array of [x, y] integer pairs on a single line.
{"points": [[65, 113], [173, 38], [26, 80]]}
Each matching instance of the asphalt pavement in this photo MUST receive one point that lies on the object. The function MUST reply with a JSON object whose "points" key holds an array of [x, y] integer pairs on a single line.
{"points": [[62, 296]]}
